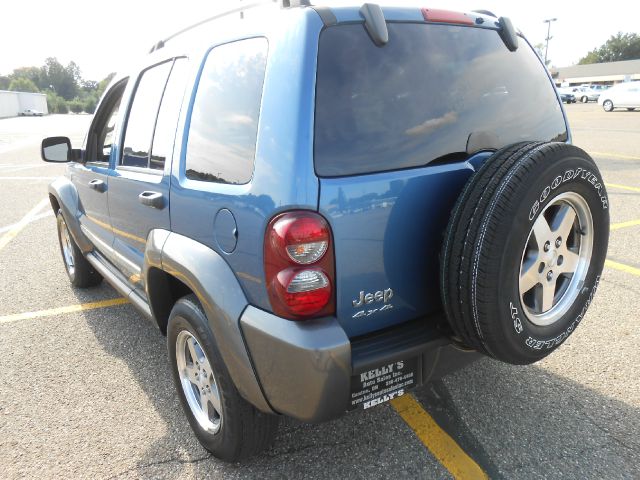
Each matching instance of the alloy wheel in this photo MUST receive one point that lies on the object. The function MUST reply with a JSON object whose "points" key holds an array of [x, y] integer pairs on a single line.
{"points": [[556, 259], [67, 248], [198, 382]]}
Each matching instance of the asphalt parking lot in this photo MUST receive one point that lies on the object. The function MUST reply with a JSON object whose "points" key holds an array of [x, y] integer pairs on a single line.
{"points": [[85, 389]]}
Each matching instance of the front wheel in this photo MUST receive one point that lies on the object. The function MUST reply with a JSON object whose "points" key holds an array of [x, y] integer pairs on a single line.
{"points": [[80, 272], [524, 250], [607, 105], [223, 422]]}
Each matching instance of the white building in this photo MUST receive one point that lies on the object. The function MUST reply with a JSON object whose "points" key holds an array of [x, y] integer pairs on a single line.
{"points": [[13, 103], [597, 73]]}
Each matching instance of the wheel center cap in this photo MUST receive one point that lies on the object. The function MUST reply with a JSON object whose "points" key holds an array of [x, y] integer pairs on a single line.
{"points": [[552, 257]]}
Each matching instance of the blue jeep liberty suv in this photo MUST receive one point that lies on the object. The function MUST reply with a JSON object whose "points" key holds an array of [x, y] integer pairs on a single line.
{"points": [[323, 208]]}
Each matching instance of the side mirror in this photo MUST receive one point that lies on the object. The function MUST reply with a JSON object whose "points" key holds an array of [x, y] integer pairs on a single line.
{"points": [[58, 150]]}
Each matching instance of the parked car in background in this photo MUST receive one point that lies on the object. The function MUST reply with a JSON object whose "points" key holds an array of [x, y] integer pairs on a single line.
{"points": [[29, 112], [623, 95], [585, 94], [567, 97]]}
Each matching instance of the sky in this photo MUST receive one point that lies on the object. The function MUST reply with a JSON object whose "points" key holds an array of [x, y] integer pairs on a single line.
{"points": [[99, 37]]}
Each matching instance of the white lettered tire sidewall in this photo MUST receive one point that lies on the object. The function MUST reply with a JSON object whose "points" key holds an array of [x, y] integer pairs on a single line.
{"points": [[570, 174]]}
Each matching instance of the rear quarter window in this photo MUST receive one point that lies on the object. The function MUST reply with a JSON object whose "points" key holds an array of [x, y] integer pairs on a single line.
{"points": [[224, 120], [419, 98]]}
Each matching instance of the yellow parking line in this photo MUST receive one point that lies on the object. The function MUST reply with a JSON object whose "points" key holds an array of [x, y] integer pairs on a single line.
{"points": [[622, 267], [61, 310], [614, 155], [23, 222], [623, 187], [630, 223], [439, 443]]}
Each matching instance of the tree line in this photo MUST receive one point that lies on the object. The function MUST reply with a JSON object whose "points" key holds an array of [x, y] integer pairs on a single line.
{"points": [[623, 46], [64, 86]]}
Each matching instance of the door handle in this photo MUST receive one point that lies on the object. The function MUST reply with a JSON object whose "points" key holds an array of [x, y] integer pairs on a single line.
{"points": [[152, 199], [98, 185]]}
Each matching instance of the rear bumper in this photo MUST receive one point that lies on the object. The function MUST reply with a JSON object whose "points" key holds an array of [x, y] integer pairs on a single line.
{"points": [[306, 368]]}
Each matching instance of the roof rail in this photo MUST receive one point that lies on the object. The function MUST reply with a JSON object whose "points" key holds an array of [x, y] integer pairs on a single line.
{"points": [[485, 12], [239, 9], [327, 17], [295, 3]]}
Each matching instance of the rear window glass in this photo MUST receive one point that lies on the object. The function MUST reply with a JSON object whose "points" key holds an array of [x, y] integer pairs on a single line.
{"points": [[419, 98]]}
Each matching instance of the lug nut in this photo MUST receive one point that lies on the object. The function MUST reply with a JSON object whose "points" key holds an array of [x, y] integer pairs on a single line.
{"points": [[550, 275], [558, 242], [547, 245]]}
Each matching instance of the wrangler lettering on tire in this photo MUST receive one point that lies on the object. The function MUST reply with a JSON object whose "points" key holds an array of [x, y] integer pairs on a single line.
{"points": [[524, 250]]}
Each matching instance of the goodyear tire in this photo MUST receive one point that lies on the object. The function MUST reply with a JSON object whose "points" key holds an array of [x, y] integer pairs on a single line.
{"points": [[524, 250]]}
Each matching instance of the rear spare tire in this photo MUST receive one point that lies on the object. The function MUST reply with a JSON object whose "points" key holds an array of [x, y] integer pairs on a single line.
{"points": [[524, 250]]}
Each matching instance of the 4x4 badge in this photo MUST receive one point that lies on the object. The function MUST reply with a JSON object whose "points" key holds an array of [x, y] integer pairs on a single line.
{"points": [[366, 313]]}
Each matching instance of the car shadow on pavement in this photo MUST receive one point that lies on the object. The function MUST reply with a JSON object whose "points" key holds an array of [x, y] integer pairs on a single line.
{"points": [[525, 422], [516, 422]]}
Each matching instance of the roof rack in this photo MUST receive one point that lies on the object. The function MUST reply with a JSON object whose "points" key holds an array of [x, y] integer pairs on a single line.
{"points": [[295, 3], [239, 9], [325, 13]]}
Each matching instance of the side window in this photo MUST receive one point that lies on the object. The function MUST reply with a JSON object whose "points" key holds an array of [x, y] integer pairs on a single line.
{"points": [[142, 116], [101, 135], [224, 119], [106, 135], [167, 122]]}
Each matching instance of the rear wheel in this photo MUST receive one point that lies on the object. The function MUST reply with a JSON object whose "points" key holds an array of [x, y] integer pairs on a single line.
{"points": [[224, 422], [607, 105], [630, 109], [584, 99], [81, 273], [524, 250]]}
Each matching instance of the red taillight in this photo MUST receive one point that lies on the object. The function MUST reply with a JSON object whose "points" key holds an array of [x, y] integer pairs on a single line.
{"points": [[299, 265], [446, 16]]}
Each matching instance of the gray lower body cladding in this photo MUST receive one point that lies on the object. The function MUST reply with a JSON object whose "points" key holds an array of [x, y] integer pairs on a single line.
{"points": [[306, 368]]}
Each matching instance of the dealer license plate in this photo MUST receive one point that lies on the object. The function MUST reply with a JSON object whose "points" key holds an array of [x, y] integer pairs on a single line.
{"points": [[384, 383]]}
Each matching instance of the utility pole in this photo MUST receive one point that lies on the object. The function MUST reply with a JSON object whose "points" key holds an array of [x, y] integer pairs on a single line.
{"points": [[549, 37]]}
